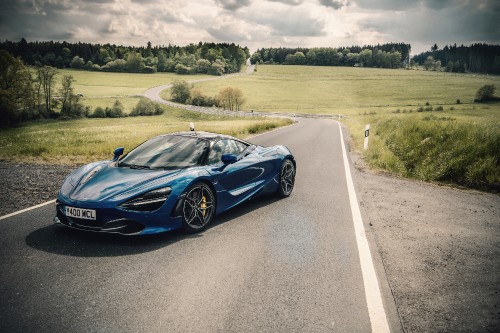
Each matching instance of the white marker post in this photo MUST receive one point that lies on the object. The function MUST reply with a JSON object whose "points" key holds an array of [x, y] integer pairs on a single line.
{"points": [[367, 133]]}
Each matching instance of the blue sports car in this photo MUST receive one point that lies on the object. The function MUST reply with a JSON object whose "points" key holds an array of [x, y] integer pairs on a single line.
{"points": [[172, 181]]}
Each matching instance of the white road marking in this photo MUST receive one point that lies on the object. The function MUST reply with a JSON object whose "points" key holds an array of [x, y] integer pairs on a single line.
{"points": [[376, 310], [26, 209]]}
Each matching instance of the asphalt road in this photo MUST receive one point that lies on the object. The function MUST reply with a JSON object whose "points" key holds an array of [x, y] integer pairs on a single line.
{"points": [[288, 265]]}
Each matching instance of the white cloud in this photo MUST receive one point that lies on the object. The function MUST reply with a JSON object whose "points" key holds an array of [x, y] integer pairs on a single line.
{"points": [[254, 23]]}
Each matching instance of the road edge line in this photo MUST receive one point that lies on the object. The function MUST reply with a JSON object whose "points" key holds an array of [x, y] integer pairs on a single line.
{"points": [[27, 209], [376, 311]]}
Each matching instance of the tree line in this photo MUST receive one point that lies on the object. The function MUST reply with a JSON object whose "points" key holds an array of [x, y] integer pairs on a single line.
{"points": [[206, 58], [478, 58], [29, 93], [391, 55]]}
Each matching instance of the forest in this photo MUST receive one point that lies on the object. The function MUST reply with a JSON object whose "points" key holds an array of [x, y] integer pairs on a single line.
{"points": [[391, 55], [203, 58], [477, 58]]}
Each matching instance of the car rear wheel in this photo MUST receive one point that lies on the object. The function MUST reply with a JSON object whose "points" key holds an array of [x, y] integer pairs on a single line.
{"points": [[287, 179], [198, 208]]}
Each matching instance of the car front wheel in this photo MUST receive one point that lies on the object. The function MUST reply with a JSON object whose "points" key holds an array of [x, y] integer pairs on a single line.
{"points": [[198, 208]]}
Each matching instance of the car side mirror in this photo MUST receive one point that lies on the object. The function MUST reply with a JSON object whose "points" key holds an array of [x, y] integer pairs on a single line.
{"points": [[229, 158], [118, 152]]}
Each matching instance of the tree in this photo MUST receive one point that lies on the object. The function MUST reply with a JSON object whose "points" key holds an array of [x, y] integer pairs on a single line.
{"points": [[231, 98], [256, 58], [46, 76], [66, 92], [180, 91], [202, 66], [66, 54], [295, 59], [365, 58], [77, 62], [135, 63], [71, 106], [394, 59], [162, 61], [16, 91], [430, 63], [217, 68]]}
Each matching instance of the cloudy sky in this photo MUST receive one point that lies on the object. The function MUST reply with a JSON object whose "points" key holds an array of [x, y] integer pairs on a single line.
{"points": [[254, 23]]}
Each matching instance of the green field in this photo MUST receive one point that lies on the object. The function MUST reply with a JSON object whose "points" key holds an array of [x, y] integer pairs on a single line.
{"points": [[348, 90]]}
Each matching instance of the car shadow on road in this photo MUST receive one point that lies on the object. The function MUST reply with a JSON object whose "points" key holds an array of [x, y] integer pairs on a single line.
{"points": [[62, 240]]}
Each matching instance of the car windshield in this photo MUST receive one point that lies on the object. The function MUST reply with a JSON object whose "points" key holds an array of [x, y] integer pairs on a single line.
{"points": [[167, 152]]}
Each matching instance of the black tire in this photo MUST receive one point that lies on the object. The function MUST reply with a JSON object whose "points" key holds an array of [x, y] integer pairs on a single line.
{"points": [[198, 207], [287, 179]]}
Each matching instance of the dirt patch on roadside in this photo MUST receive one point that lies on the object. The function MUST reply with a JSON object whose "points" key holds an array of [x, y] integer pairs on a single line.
{"points": [[441, 250]]}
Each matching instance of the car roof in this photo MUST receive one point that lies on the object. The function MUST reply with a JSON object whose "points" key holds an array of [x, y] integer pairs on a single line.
{"points": [[204, 135]]}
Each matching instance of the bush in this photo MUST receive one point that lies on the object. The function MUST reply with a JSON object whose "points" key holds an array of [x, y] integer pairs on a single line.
{"points": [[116, 111], [485, 93], [145, 107], [99, 113], [199, 99], [180, 91]]}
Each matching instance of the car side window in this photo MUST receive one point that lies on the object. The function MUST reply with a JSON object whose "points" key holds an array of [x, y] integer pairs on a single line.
{"points": [[216, 152], [225, 146]]}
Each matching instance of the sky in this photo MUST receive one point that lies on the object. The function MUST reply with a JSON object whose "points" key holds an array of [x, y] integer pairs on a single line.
{"points": [[254, 23]]}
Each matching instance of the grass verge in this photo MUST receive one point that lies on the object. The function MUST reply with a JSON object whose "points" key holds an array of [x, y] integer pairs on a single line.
{"points": [[436, 146]]}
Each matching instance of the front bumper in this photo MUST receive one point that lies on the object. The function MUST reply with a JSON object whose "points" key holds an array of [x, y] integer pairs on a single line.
{"points": [[118, 221]]}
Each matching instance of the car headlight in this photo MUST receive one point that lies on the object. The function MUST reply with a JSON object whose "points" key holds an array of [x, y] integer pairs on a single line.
{"points": [[148, 201]]}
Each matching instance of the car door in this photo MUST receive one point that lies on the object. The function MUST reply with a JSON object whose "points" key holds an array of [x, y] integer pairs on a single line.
{"points": [[238, 180]]}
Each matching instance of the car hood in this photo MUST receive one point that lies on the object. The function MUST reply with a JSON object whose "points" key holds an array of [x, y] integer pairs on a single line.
{"points": [[105, 180]]}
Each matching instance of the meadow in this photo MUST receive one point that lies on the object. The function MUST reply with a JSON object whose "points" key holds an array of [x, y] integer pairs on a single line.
{"points": [[424, 124], [103, 89]]}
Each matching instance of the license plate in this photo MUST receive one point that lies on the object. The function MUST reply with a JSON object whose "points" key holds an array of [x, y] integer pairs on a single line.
{"points": [[88, 214]]}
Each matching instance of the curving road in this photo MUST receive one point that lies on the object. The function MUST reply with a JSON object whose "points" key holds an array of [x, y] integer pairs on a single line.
{"points": [[154, 95], [290, 265]]}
